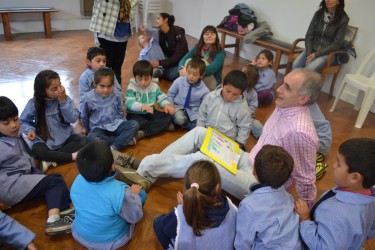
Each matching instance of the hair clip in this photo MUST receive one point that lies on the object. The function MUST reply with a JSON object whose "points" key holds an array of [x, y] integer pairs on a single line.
{"points": [[194, 185]]}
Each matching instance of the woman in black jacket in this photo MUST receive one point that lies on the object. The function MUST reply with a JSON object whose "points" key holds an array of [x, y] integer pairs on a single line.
{"points": [[173, 43], [325, 34]]}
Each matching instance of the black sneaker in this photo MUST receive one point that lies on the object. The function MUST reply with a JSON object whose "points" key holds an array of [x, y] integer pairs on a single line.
{"points": [[126, 161], [158, 72], [70, 212], [61, 226]]}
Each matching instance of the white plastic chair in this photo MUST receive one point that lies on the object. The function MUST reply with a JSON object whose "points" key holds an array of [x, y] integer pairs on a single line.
{"points": [[366, 87], [146, 7]]}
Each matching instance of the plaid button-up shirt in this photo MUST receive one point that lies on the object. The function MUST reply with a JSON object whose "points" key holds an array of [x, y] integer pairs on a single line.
{"points": [[105, 16], [293, 129]]}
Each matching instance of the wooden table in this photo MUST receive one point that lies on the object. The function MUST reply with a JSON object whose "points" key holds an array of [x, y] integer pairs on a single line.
{"points": [[46, 19]]}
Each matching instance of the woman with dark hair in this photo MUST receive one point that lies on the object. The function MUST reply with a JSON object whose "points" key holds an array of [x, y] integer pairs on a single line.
{"points": [[208, 48], [325, 34], [173, 43]]}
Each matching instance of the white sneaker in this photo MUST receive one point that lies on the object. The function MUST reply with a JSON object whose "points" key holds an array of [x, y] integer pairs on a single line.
{"points": [[47, 164]]}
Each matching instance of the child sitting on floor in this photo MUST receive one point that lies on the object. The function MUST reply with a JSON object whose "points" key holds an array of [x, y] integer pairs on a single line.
{"points": [[106, 209], [187, 93], [226, 109], [102, 113], [204, 218], [151, 51], [266, 84], [46, 122], [266, 218], [252, 98], [21, 181], [13, 233], [141, 96], [344, 217]]}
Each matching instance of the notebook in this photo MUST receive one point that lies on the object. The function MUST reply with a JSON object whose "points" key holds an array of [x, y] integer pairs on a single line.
{"points": [[221, 149]]}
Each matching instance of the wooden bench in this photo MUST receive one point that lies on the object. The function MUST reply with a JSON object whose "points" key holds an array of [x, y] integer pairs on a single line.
{"points": [[46, 19], [280, 47]]}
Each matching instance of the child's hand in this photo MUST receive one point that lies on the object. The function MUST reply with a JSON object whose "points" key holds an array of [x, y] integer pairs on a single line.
{"points": [[182, 71], [135, 188], [147, 108], [169, 109], [254, 62], [31, 246], [302, 209], [142, 28], [31, 135], [180, 198], [61, 94], [4, 206]]}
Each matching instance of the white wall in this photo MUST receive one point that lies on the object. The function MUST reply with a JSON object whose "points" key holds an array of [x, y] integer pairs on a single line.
{"points": [[288, 19], [68, 18]]}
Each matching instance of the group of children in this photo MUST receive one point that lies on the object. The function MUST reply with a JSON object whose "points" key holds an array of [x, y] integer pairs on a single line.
{"points": [[204, 217], [269, 218]]}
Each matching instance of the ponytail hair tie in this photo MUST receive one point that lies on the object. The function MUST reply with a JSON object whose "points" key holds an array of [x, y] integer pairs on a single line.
{"points": [[194, 185]]}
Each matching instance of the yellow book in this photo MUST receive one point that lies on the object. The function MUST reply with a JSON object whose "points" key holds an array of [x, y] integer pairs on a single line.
{"points": [[221, 149]]}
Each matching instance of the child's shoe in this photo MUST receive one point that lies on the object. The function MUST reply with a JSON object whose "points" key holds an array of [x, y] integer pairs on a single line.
{"points": [[132, 142], [61, 226], [171, 127], [321, 169], [139, 135], [319, 157], [70, 213], [158, 72], [125, 161], [130, 176], [44, 165]]}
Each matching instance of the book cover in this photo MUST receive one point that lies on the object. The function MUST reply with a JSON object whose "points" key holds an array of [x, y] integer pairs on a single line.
{"points": [[221, 149]]}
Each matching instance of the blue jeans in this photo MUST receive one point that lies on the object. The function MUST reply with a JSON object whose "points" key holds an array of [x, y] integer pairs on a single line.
{"points": [[316, 65], [175, 160], [119, 138], [171, 74], [181, 118], [256, 128]]}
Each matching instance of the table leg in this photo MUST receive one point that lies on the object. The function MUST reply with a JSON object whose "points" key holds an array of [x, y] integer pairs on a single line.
{"points": [[47, 24], [6, 25]]}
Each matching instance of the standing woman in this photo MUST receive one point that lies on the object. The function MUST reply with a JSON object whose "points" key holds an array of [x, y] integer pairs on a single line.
{"points": [[173, 43], [209, 49], [110, 23], [325, 34]]}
